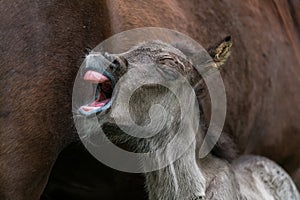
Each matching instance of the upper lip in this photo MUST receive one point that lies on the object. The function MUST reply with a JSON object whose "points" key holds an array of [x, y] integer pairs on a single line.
{"points": [[99, 63], [102, 99]]}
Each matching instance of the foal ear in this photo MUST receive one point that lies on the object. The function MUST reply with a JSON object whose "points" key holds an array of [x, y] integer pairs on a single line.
{"points": [[221, 51]]}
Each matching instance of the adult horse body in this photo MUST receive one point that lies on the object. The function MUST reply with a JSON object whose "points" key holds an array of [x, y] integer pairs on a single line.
{"points": [[41, 44]]}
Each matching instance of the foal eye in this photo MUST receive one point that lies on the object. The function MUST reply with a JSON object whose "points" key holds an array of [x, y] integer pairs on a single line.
{"points": [[166, 59], [170, 61]]}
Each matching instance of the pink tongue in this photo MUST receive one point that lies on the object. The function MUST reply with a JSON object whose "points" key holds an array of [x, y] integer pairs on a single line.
{"points": [[99, 104], [94, 77]]}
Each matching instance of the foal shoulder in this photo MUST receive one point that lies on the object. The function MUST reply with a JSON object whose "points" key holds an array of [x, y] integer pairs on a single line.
{"points": [[263, 178]]}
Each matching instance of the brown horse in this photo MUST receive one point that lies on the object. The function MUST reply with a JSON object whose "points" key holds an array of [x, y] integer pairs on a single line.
{"points": [[42, 45]]}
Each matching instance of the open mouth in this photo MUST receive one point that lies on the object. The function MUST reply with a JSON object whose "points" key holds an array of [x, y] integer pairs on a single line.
{"points": [[103, 84]]}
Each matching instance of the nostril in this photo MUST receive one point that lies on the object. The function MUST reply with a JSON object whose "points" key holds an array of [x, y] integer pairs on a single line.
{"points": [[117, 62], [114, 67], [199, 198]]}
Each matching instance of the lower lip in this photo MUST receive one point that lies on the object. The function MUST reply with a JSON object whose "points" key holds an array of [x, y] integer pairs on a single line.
{"points": [[89, 111]]}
